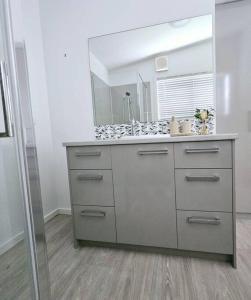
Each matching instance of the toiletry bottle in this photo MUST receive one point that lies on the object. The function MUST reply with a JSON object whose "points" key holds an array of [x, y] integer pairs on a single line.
{"points": [[174, 126], [186, 127]]}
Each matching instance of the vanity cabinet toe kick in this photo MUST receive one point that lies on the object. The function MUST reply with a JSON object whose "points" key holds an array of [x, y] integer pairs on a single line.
{"points": [[177, 196]]}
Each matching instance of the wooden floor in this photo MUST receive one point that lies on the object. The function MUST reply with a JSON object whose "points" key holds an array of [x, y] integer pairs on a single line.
{"points": [[112, 274], [14, 274]]}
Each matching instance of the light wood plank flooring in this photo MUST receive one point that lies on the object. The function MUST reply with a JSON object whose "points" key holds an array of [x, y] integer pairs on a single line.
{"points": [[91, 273], [14, 274]]}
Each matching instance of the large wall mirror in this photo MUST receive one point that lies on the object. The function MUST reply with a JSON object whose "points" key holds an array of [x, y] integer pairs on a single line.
{"points": [[153, 73]]}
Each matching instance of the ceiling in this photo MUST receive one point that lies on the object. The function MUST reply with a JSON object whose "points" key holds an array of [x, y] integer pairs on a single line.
{"points": [[124, 48]]}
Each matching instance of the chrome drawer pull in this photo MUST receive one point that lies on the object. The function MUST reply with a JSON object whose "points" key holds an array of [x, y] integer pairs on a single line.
{"points": [[90, 177], [202, 150], [152, 152], [202, 220], [213, 178], [93, 213], [92, 153]]}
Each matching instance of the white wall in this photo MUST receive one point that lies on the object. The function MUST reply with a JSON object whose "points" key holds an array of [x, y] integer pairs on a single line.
{"points": [[26, 27], [66, 26], [233, 66]]}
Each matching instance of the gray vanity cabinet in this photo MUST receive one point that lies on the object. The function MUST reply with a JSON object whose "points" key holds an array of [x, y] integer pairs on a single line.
{"points": [[144, 194], [177, 195]]}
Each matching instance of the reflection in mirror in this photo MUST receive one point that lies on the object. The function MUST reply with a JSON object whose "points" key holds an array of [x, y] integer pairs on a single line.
{"points": [[152, 73]]}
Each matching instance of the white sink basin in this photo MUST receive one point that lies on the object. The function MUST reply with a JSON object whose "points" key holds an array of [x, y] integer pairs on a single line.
{"points": [[141, 137]]}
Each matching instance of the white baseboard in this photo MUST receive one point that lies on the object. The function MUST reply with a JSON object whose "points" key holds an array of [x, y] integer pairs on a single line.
{"points": [[11, 242], [50, 215], [64, 211], [20, 236], [55, 212]]}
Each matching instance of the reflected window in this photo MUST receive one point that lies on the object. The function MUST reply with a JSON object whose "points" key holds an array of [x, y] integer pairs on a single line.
{"points": [[180, 96]]}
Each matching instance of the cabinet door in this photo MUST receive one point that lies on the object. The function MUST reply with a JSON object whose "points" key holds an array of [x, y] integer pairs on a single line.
{"points": [[144, 194]]}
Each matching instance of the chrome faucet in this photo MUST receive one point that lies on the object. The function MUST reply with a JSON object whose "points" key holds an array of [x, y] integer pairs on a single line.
{"points": [[133, 122]]}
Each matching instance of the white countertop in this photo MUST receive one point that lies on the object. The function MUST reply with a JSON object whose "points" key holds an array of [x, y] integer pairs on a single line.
{"points": [[152, 139]]}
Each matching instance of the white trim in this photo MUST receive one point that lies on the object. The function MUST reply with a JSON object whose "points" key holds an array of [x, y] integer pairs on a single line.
{"points": [[55, 212], [51, 215], [11, 242], [64, 211]]}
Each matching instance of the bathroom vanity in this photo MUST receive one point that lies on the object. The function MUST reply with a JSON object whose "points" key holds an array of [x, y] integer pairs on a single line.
{"points": [[168, 193]]}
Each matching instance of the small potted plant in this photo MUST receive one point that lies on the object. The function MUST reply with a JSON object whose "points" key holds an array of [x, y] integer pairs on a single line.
{"points": [[202, 116]]}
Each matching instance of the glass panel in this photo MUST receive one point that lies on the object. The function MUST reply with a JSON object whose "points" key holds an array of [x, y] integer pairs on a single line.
{"points": [[33, 173], [23, 270], [14, 266], [15, 280], [3, 125], [2, 112]]}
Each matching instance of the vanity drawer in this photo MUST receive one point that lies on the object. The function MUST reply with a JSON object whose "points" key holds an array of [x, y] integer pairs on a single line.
{"points": [[204, 189], [94, 223], [205, 231], [89, 157], [91, 187], [213, 154]]}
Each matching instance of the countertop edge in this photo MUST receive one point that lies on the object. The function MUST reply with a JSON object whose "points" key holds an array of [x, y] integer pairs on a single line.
{"points": [[164, 139]]}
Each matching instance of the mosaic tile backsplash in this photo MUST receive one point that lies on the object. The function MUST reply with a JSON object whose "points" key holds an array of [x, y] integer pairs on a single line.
{"points": [[107, 132]]}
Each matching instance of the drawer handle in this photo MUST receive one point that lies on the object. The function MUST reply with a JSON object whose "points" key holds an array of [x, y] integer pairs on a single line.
{"points": [[202, 150], [213, 178], [90, 177], [202, 220], [152, 152], [93, 213], [91, 153]]}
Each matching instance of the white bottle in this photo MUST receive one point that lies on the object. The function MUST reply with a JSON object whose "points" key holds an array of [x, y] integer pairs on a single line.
{"points": [[174, 126], [186, 127]]}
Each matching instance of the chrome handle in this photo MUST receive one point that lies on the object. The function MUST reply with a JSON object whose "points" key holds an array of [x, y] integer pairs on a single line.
{"points": [[213, 178], [203, 220], [152, 152], [91, 153], [90, 177], [4, 83], [93, 213], [202, 150]]}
